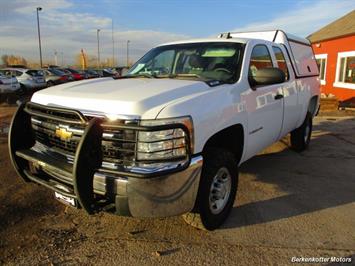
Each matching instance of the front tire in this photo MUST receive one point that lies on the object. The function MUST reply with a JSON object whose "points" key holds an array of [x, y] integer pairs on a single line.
{"points": [[301, 137], [217, 190]]}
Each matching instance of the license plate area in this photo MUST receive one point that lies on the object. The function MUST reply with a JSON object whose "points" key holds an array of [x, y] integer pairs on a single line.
{"points": [[66, 200]]}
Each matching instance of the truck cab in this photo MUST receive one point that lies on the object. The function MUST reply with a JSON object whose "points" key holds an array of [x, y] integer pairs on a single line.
{"points": [[168, 137]]}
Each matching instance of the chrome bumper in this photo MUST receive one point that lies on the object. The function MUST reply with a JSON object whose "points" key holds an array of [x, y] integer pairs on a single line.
{"points": [[161, 196]]}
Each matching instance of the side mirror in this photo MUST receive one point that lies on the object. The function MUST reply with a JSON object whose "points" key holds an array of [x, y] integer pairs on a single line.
{"points": [[267, 76]]}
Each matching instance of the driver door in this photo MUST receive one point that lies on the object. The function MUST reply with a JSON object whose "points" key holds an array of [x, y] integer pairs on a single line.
{"points": [[264, 105]]}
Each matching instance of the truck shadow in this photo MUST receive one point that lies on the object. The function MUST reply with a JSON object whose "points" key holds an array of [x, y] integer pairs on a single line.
{"points": [[293, 184]]}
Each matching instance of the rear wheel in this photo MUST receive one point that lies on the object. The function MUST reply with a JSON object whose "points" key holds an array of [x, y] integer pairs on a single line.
{"points": [[217, 190], [300, 137]]}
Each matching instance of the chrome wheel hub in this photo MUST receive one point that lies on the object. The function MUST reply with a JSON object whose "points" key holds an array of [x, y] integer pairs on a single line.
{"points": [[220, 190]]}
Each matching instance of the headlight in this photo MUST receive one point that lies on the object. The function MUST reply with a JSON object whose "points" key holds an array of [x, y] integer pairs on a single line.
{"points": [[166, 144]]}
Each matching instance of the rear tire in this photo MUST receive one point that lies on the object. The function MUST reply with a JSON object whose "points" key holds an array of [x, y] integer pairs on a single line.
{"points": [[300, 137], [217, 190]]}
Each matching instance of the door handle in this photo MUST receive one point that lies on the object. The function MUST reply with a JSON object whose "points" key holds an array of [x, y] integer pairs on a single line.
{"points": [[278, 96]]}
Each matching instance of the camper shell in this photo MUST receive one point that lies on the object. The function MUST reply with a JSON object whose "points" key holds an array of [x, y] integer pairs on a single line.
{"points": [[298, 49]]}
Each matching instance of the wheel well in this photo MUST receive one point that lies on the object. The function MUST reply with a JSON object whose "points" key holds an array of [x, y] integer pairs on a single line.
{"points": [[312, 107], [230, 138]]}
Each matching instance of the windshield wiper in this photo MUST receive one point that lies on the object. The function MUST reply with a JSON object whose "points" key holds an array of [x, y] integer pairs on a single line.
{"points": [[139, 75], [187, 75], [210, 82]]}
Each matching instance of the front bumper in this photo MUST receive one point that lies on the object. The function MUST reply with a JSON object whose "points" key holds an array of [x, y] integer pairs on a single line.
{"points": [[162, 194]]}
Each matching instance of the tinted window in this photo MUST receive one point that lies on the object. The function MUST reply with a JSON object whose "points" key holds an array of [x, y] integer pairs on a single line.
{"points": [[17, 73], [281, 62], [4, 72], [260, 58], [34, 73]]}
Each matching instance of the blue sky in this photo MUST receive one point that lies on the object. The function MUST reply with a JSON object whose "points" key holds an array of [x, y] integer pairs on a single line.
{"points": [[69, 25]]}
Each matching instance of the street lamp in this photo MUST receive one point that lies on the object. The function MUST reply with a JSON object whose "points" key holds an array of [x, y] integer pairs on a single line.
{"points": [[98, 48], [128, 41], [39, 36]]}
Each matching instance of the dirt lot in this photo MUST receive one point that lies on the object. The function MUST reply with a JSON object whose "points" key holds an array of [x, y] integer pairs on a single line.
{"points": [[288, 205]]}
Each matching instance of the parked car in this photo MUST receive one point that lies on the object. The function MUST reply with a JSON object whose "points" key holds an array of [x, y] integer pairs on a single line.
{"points": [[76, 74], [54, 76], [29, 79], [9, 88], [121, 71], [106, 72], [68, 73], [167, 138], [89, 74]]}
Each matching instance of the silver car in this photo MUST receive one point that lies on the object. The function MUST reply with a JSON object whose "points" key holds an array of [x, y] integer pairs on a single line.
{"points": [[29, 79]]}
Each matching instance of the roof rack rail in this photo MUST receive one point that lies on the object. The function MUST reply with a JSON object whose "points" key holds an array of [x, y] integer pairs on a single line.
{"points": [[226, 35]]}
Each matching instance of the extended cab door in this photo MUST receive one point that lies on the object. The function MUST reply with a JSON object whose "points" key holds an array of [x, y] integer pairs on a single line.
{"points": [[264, 105], [292, 108]]}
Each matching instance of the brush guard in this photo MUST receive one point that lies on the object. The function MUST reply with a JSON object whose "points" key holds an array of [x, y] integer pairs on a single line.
{"points": [[77, 181]]}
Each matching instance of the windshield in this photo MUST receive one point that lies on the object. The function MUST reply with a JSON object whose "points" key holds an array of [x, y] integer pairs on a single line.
{"points": [[56, 72], [34, 73], [215, 61]]}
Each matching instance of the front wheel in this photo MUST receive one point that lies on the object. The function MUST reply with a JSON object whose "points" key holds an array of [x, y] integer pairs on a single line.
{"points": [[300, 137], [217, 190]]}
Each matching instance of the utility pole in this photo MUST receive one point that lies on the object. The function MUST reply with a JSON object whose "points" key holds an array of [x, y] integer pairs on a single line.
{"points": [[98, 48], [39, 36], [113, 47], [128, 41]]}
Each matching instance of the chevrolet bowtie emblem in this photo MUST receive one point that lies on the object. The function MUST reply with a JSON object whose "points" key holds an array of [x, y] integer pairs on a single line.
{"points": [[63, 134]]}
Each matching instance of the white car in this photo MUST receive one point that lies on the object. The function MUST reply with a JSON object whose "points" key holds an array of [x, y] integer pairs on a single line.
{"points": [[29, 79], [167, 138], [8, 85]]}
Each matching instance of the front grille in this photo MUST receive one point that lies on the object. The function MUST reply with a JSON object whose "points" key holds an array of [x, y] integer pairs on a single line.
{"points": [[118, 145]]}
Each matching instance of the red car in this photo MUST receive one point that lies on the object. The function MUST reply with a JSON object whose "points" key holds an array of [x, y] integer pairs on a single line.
{"points": [[76, 74]]}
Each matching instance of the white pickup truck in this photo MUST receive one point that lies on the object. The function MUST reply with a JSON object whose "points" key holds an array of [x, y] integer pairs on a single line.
{"points": [[167, 138]]}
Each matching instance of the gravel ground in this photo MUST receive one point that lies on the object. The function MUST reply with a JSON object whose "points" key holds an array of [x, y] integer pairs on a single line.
{"points": [[288, 205]]}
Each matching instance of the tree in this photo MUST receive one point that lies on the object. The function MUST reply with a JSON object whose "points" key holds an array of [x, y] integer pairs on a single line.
{"points": [[9, 60]]}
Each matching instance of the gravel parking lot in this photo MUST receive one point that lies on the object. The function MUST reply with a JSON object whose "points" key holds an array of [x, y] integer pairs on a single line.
{"points": [[288, 205]]}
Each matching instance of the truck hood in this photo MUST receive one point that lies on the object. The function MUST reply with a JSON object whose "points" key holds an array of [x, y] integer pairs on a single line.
{"points": [[132, 97]]}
